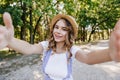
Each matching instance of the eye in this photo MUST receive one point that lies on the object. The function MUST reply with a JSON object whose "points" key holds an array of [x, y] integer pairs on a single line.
{"points": [[65, 28], [56, 27]]}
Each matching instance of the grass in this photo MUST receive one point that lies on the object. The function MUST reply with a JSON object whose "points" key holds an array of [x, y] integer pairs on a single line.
{"points": [[5, 54]]}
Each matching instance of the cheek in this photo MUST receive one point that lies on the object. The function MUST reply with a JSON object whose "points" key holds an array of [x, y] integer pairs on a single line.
{"points": [[64, 33], [54, 31]]}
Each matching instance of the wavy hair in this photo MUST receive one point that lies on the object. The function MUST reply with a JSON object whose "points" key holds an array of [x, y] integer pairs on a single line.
{"points": [[68, 41]]}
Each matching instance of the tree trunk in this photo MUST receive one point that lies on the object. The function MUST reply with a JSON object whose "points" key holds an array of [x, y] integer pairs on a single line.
{"points": [[31, 27], [93, 31], [23, 32], [84, 34]]}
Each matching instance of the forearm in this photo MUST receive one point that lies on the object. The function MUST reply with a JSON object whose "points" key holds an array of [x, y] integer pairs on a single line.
{"points": [[20, 46], [98, 56]]}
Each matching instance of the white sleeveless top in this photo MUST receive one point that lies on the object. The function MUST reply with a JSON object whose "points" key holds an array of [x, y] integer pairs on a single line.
{"points": [[56, 67]]}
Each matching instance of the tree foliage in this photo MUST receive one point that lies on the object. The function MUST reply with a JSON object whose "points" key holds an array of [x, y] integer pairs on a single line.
{"points": [[31, 18]]}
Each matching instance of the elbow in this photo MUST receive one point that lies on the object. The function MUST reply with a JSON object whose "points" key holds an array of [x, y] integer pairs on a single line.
{"points": [[86, 62], [26, 52], [89, 62], [29, 50]]}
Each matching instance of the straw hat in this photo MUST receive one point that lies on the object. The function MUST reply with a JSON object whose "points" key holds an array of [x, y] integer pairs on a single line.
{"points": [[69, 18]]}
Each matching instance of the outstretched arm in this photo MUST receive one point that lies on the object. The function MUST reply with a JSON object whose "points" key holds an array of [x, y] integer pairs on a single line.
{"points": [[7, 39], [93, 57], [25, 47], [99, 56]]}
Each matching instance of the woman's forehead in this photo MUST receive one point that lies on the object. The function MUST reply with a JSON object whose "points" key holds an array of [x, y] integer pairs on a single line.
{"points": [[61, 22]]}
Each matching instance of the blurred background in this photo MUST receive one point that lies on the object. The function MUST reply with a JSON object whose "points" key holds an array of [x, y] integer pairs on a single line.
{"points": [[31, 18]]}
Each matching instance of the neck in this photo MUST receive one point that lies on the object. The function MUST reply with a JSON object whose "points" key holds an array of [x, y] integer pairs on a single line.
{"points": [[60, 47]]}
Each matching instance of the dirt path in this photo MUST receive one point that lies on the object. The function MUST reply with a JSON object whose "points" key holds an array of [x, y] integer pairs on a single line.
{"points": [[29, 68], [103, 71]]}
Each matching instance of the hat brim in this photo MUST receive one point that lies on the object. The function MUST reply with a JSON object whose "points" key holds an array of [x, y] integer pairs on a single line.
{"points": [[69, 18]]}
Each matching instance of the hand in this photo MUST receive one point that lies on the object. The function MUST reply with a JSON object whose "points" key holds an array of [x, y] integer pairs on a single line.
{"points": [[7, 31], [114, 45]]}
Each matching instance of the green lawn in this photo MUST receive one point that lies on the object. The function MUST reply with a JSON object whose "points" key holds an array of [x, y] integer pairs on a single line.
{"points": [[5, 54]]}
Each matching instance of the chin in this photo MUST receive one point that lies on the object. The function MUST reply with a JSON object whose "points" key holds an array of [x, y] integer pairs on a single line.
{"points": [[59, 41]]}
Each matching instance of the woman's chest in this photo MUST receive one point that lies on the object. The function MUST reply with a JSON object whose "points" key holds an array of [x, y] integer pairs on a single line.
{"points": [[57, 65]]}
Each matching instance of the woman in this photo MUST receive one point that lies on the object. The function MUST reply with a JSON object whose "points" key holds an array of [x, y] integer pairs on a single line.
{"points": [[59, 50]]}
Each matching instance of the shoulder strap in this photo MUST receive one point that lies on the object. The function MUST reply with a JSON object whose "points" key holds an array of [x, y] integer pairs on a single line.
{"points": [[69, 68], [45, 60]]}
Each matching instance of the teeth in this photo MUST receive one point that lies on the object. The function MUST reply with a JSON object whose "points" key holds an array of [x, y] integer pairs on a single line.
{"points": [[58, 35]]}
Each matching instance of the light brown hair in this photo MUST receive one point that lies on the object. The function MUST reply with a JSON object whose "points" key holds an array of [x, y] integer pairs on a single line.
{"points": [[69, 38]]}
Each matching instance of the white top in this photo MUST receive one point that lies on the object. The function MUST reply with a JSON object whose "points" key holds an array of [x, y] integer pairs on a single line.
{"points": [[56, 67]]}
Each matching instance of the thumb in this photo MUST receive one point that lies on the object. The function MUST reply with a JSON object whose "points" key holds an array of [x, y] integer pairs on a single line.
{"points": [[7, 20]]}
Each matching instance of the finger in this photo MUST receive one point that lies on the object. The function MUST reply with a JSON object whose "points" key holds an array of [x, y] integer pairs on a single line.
{"points": [[7, 20], [117, 25]]}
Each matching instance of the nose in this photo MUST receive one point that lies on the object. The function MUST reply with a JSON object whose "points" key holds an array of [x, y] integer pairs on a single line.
{"points": [[59, 30]]}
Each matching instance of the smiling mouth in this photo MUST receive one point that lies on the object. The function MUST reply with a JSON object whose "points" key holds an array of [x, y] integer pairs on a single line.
{"points": [[57, 36]]}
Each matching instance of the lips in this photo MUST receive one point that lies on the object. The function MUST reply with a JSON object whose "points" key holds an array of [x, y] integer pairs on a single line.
{"points": [[57, 36]]}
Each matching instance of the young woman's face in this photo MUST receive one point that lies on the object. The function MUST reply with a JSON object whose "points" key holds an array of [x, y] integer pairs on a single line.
{"points": [[60, 31]]}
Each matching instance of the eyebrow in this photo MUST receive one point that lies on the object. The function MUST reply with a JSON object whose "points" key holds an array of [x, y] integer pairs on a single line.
{"points": [[61, 26]]}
